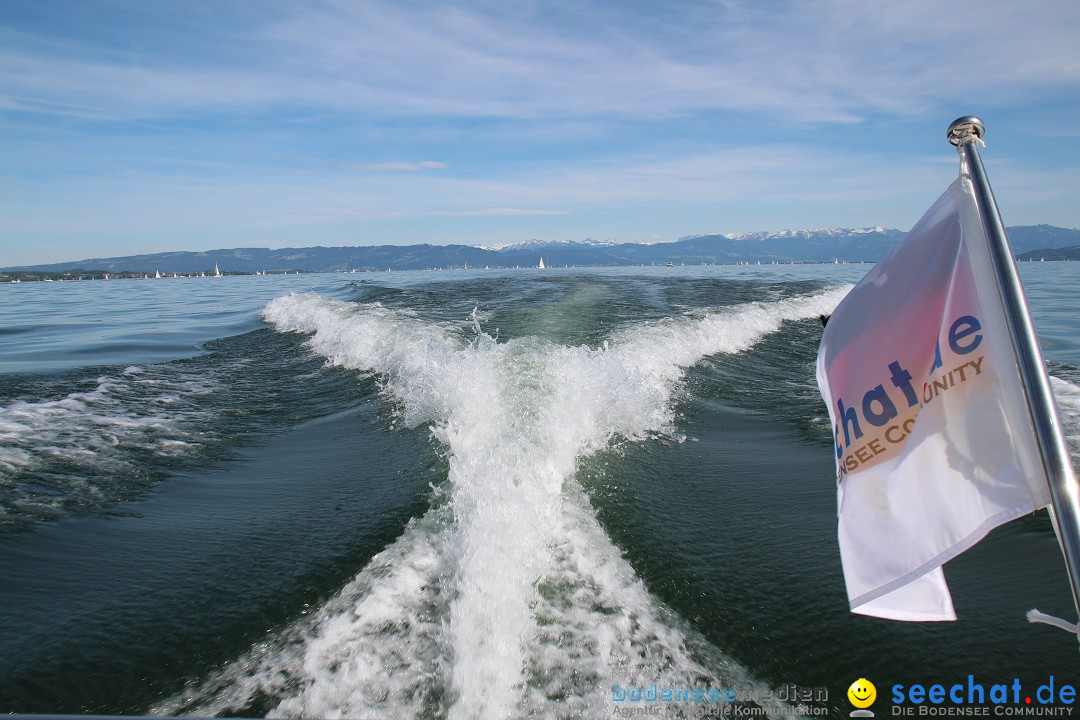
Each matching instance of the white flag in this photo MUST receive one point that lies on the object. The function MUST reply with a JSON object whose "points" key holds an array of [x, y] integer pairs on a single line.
{"points": [[934, 442]]}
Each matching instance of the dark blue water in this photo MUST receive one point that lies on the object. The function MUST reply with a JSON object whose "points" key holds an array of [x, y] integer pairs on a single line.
{"points": [[459, 494]]}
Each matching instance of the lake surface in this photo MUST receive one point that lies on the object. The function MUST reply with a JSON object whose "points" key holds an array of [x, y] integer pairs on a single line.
{"points": [[462, 493]]}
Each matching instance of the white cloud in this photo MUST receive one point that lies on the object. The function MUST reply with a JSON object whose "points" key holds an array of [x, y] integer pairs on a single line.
{"points": [[498, 212], [337, 117], [318, 166], [396, 166], [825, 61]]}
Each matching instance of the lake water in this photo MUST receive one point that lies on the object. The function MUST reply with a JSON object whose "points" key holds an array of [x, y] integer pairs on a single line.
{"points": [[461, 493]]}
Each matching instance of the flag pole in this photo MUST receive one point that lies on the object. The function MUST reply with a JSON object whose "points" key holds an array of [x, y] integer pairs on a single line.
{"points": [[965, 133]]}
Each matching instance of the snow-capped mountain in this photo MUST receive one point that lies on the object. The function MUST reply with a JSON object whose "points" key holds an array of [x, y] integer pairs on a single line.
{"points": [[822, 232], [544, 244]]}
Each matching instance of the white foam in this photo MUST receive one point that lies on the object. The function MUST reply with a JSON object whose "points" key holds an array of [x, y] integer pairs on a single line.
{"points": [[82, 441], [1067, 395], [507, 599], [376, 649]]}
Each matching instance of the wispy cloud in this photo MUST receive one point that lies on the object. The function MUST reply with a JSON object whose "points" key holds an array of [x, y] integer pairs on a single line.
{"points": [[320, 166], [397, 166], [824, 61], [347, 122], [500, 212]]}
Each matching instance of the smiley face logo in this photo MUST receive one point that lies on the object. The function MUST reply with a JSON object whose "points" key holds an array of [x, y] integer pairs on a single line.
{"points": [[862, 693]]}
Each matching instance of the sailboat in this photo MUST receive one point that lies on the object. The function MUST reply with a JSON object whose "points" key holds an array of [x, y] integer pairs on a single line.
{"points": [[217, 273], [541, 265]]}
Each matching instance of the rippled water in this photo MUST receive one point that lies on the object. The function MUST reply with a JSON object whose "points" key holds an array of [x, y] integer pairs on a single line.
{"points": [[458, 494]]}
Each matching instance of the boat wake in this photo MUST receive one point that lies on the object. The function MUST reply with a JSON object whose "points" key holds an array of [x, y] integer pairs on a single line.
{"points": [[506, 598], [1067, 395], [88, 448]]}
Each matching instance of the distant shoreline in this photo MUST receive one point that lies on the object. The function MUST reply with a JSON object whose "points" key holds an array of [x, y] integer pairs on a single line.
{"points": [[16, 276], [824, 245]]}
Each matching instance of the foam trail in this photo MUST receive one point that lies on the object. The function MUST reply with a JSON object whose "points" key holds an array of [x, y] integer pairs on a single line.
{"points": [[508, 593], [1067, 395], [86, 448], [376, 649]]}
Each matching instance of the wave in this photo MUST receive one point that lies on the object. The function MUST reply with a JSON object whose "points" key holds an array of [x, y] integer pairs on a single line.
{"points": [[506, 598], [86, 448], [1067, 395]]}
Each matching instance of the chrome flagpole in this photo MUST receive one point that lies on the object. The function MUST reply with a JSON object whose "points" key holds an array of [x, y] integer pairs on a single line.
{"points": [[965, 133]]}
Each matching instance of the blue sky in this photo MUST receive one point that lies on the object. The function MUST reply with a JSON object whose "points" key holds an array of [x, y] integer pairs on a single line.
{"points": [[130, 126]]}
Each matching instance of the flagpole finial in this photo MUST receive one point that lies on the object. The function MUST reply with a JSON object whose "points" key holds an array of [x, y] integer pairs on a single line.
{"points": [[967, 129]]}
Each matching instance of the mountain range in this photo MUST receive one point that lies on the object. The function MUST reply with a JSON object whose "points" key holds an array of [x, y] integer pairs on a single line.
{"points": [[821, 245]]}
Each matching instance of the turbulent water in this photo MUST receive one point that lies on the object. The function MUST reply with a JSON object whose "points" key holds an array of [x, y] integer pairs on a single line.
{"points": [[458, 494]]}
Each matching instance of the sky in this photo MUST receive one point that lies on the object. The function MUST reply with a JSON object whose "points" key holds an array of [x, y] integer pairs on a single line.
{"points": [[136, 126]]}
